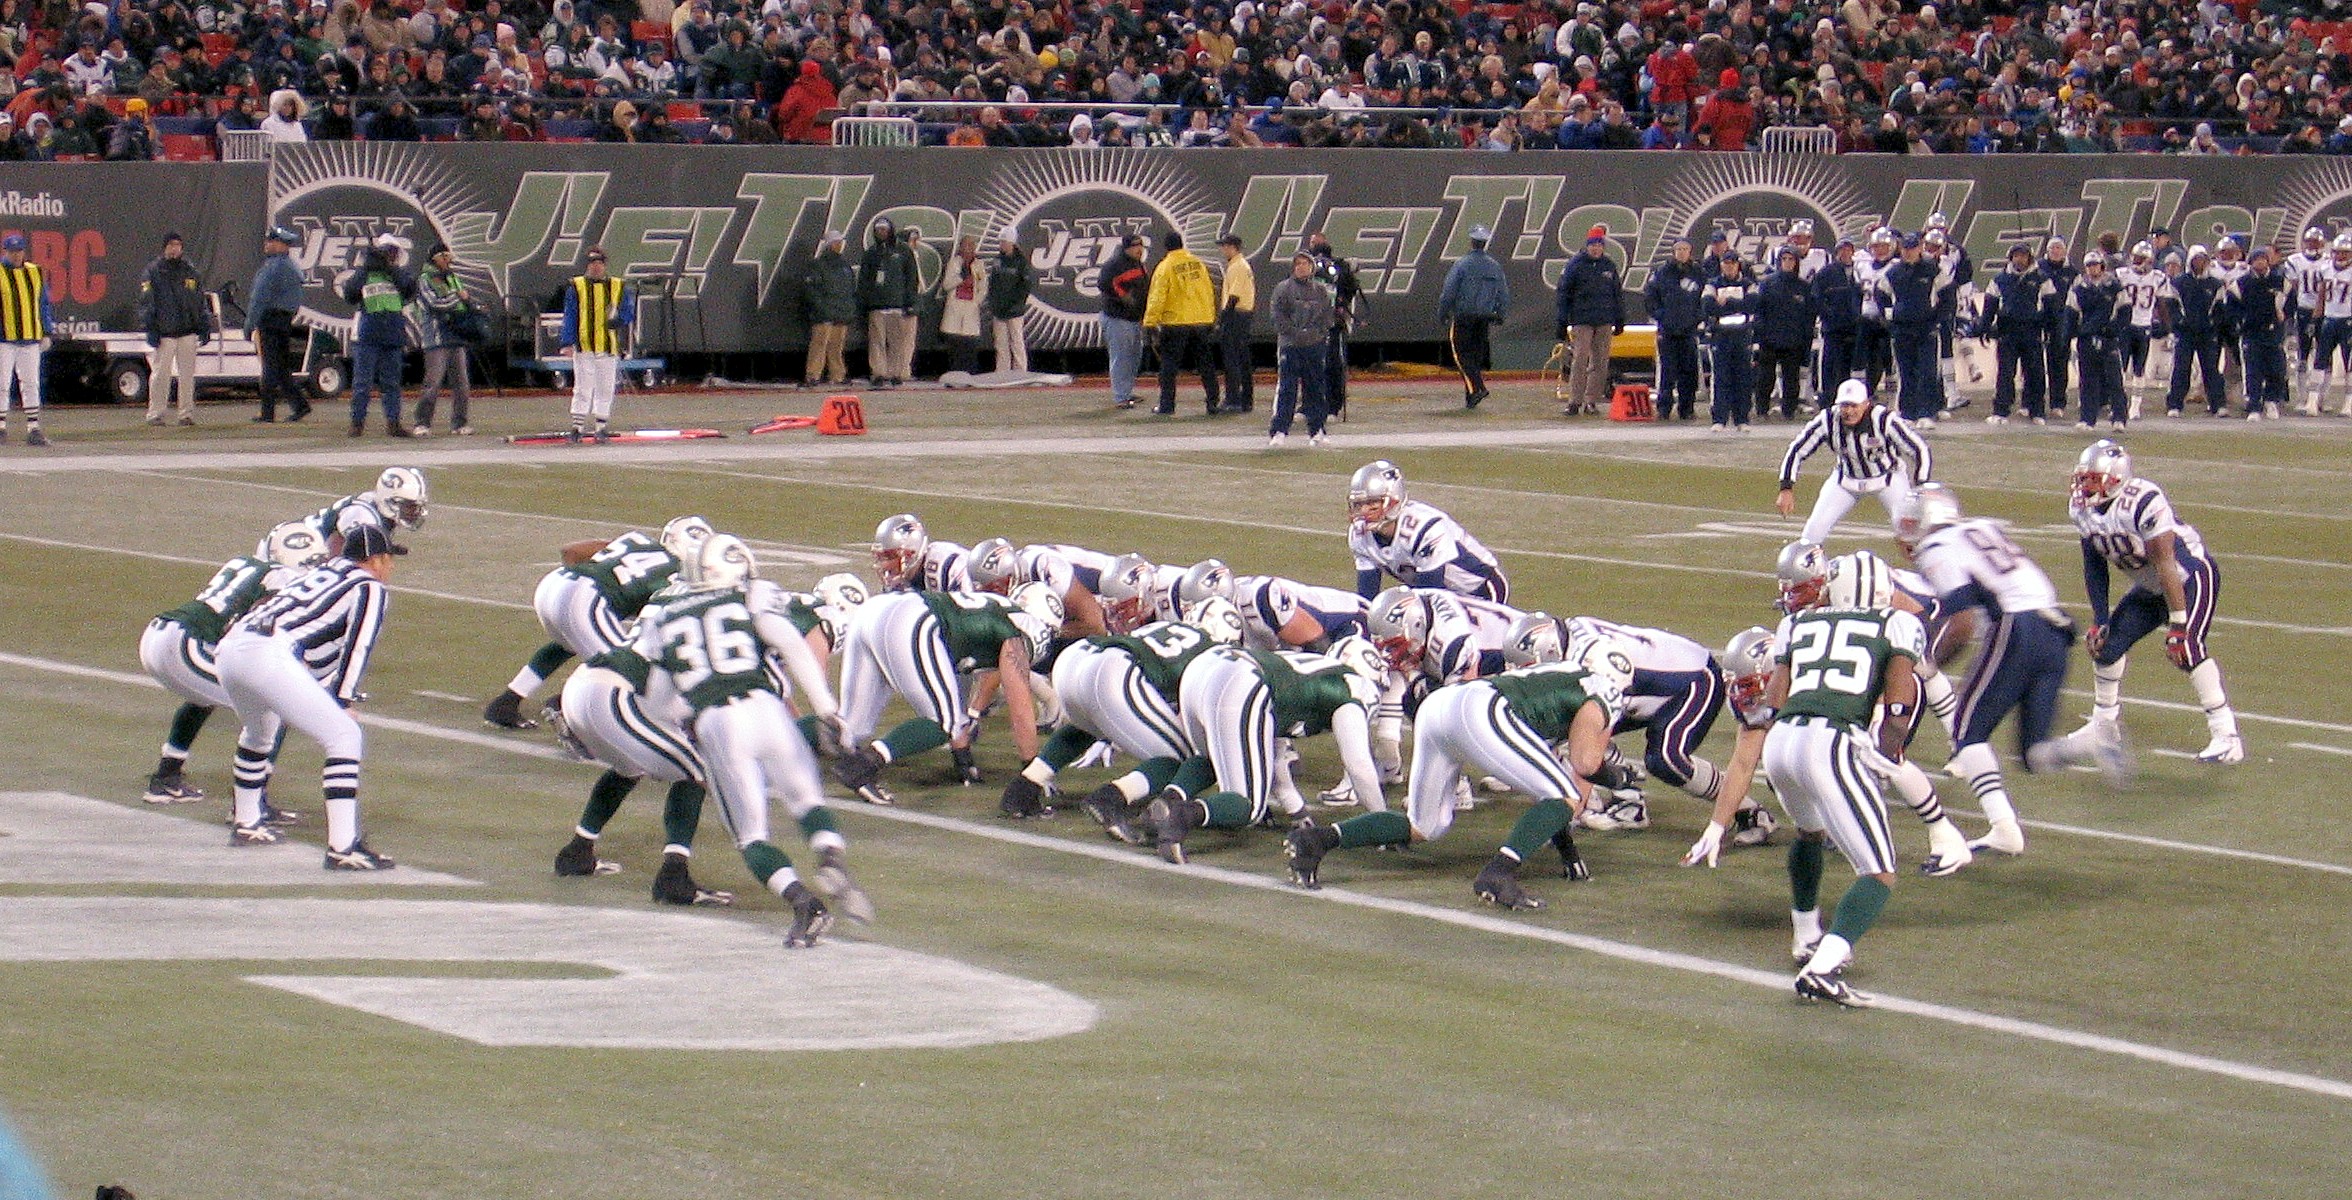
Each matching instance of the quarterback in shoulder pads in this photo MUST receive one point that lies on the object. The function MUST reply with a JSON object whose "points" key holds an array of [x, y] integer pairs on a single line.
{"points": [[1415, 543]]}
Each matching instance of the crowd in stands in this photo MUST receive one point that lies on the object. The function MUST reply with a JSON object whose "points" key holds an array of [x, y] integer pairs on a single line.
{"points": [[111, 80]]}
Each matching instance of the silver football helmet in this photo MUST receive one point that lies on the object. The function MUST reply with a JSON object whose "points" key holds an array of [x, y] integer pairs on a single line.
{"points": [[2314, 239], [841, 590], [995, 565], [899, 543], [1217, 618], [683, 536], [1747, 668], [1932, 507], [2101, 472], [1208, 577], [1399, 623], [1802, 570], [723, 561], [400, 493], [1533, 639], [296, 544], [1375, 493], [1126, 592], [2141, 252], [1858, 580]]}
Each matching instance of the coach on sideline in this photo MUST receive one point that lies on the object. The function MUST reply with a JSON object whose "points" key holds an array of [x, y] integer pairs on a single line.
{"points": [[1476, 295], [1591, 311]]}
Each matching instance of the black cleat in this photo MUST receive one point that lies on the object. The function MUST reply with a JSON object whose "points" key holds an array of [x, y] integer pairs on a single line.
{"points": [[1500, 888], [1110, 810], [1830, 989], [967, 771], [1024, 798], [810, 918], [833, 876], [271, 814], [357, 858], [256, 834], [1305, 846], [674, 884], [1173, 816], [860, 770], [171, 789], [1572, 866], [578, 858], [506, 712]]}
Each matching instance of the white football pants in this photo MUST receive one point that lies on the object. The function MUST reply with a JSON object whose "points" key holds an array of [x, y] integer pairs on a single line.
{"points": [[617, 727], [181, 663], [1839, 496], [1814, 768], [1104, 693], [1229, 712], [1470, 726], [594, 379], [576, 615], [753, 752], [894, 646]]}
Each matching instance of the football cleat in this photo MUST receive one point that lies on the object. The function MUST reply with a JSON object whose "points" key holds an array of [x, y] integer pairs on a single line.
{"points": [[271, 814], [171, 789], [357, 858], [860, 770], [1802, 949], [810, 918], [1625, 810], [2228, 748], [966, 769], [506, 712], [1501, 889], [1117, 817], [1829, 989], [578, 859], [833, 876], [2005, 837], [674, 884], [1024, 798], [1340, 795], [1753, 826], [1172, 814], [1572, 867], [1947, 850], [256, 834], [1305, 847]]}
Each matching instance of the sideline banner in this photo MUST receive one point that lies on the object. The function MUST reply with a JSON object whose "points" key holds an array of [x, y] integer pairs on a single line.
{"points": [[96, 226]]}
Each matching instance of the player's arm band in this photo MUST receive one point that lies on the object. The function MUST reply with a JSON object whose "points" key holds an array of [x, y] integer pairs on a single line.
{"points": [[2178, 617], [1900, 711]]}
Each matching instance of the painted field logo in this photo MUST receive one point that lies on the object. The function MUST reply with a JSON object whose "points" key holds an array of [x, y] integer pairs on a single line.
{"points": [[1072, 210]]}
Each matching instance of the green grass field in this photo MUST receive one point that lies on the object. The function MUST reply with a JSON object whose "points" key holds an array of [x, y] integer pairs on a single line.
{"points": [[2148, 1003]]}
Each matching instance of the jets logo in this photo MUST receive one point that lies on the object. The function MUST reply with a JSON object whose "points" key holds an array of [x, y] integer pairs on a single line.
{"points": [[1072, 209], [338, 204], [1754, 199]]}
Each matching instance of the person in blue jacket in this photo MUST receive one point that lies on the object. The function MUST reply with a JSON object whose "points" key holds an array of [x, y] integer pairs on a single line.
{"points": [[1675, 295], [1476, 295], [1731, 302]]}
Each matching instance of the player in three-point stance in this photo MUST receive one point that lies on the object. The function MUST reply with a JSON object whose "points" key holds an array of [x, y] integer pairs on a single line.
{"points": [[586, 604], [918, 646]]}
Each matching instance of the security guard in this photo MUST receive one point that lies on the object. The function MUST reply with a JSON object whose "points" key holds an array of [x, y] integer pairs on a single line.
{"points": [[1476, 295], [24, 334], [1675, 296], [598, 310]]}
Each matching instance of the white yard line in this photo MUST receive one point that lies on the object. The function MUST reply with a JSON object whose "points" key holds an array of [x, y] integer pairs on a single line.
{"points": [[2322, 749], [1461, 918], [153, 556]]}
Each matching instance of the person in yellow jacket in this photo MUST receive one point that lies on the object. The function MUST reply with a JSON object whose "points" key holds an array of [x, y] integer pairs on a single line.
{"points": [[1237, 309], [24, 334], [1181, 316]]}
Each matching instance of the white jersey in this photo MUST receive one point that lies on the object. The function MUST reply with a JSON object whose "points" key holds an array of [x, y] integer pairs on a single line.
{"points": [[1976, 555], [1663, 663], [1810, 259], [2308, 271], [1464, 632], [1165, 577], [2119, 531], [947, 567], [1058, 567], [1268, 603], [1429, 549], [2229, 273], [2143, 290], [2338, 282], [1870, 276]]}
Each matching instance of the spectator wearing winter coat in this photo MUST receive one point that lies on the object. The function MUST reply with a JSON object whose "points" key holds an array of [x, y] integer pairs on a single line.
{"points": [[1010, 281], [133, 138], [829, 304], [964, 290], [809, 95], [1124, 283], [1727, 115], [1475, 296], [177, 320], [1302, 310], [449, 313], [886, 295], [1675, 296], [284, 122], [1590, 310]]}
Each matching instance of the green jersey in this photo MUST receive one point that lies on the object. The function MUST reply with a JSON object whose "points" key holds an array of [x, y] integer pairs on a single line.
{"points": [[1161, 651], [1838, 659], [625, 662], [708, 643], [1306, 689], [1548, 697], [239, 582], [628, 571], [976, 626]]}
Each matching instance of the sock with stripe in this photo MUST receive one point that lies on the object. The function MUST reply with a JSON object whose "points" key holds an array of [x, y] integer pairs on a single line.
{"points": [[1226, 810], [1150, 776], [2220, 721], [549, 659], [771, 866], [252, 771], [1918, 793], [1975, 764], [1193, 776], [1805, 858], [912, 738], [1375, 829], [681, 813], [340, 780], [1535, 828], [1705, 780], [186, 724], [2107, 690], [821, 830], [1858, 909], [604, 799], [1942, 700]]}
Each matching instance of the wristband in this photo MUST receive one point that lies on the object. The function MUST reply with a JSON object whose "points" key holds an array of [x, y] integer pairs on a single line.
{"points": [[2178, 617], [1899, 710]]}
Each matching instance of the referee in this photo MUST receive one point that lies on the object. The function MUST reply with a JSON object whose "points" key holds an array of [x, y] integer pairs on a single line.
{"points": [[297, 659], [1876, 451], [24, 333]]}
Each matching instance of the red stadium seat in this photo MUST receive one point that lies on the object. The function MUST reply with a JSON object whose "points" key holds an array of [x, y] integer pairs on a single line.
{"points": [[685, 110], [188, 147]]}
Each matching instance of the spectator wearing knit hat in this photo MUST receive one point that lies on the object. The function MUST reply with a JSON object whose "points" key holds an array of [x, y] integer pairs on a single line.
{"points": [[1591, 310]]}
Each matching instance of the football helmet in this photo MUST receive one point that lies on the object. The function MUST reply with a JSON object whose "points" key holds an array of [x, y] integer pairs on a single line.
{"points": [[1361, 658], [722, 561], [1932, 507], [899, 543], [1399, 622], [1801, 228], [2094, 257], [1039, 601], [995, 565], [1217, 618], [1375, 493], [1127, 592], [2141, 252], [1747, 668], [683, 536], [1208, 577], [400, 493], [2101, 472], [1882, 236], [296, 544], [1803, 569], [1938, 221], [2315, 238], [1606, 664], [841, 590], [1858, 580], [1533, 639], [1934, 239]]}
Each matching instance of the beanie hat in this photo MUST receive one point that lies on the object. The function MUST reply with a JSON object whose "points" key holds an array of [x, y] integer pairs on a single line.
{"points": [[1598, 233]]}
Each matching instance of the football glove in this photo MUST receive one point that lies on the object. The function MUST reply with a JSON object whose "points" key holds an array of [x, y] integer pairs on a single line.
{"points": [[1709, 845], [2176, 647], [1876, 763], [2095, 639]]}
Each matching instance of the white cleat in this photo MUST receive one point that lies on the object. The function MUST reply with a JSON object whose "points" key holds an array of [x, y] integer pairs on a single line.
{"points": [[1947, 850], [2003, 838], [1342, 796], [1465, 797], [2227, 748]]}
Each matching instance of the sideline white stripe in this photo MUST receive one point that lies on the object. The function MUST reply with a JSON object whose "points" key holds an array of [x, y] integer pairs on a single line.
{"points": [[211, 563], [1483, 922]]}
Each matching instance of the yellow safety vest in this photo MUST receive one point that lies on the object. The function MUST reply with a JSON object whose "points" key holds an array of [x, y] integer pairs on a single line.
{"points": [[597, 300], [21, 290]]}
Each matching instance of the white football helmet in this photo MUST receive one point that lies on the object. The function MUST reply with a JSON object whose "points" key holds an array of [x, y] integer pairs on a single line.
{"points": [[723, 561], [1208, 577], [1606, 665], [1375, 494], [1933, 506], [2314, 239], [1858, 580], [1039, 601], [1361, 658], [1802, 570], [683, 536], [1217, 618], [1533, 639], [296, 544], [1747, 668], [2101, 472], [400, 493], [1399, 623], [899, 543], [995, 565], [841, 590], [1126, 592]]}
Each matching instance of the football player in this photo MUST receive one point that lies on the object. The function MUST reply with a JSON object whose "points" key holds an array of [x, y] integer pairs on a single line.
{"points": [[1508, 725], [1072, 572], [2128, 523], [1415, 543], [2335, 329], [1878, 453], [614, 714], [1121, 689], [918, 645], [178, 648], [907, 560], [1283, 614], [586, 604], [1235, 704], [1840, 670], [2307, 271], [397, 502], [2145, 289], [713, 640], [1972, 563], [1135, 592], [1430, 638]]}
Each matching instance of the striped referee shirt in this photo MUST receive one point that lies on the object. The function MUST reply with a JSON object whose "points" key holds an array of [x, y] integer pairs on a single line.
{"points": [[1873, 448], [332, 616]]}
